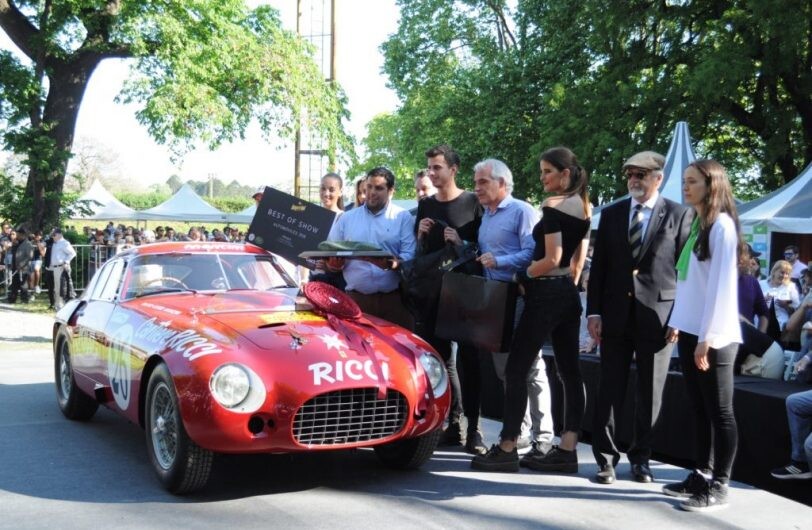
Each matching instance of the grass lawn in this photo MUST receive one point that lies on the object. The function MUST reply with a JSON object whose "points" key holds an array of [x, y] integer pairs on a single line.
{"points": [[39, 304]]}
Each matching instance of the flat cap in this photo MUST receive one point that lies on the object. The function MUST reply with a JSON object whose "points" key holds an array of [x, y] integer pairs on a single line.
{"points": [[646, 160]]}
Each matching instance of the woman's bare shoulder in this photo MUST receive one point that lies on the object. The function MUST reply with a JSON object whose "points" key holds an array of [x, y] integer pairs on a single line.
{"points": [[572, 205]]}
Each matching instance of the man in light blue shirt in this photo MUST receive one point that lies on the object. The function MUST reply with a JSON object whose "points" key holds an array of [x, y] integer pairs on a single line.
{"points": [[506, 243], [374, 283]]}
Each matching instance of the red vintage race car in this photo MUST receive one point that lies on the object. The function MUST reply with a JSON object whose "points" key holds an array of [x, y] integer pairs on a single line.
{"points": [[213, 349]]}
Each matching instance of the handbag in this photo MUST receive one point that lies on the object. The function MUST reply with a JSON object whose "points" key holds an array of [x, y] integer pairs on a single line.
{"points": [[421, 278], [476, 310]]}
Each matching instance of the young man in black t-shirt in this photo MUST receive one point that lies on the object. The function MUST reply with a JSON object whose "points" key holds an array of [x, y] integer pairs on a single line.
{"points": [[452, 215]]}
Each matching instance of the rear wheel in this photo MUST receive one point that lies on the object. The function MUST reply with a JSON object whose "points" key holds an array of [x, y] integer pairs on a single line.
{"points": [[74, 404], [182, 465], [411, 453]]}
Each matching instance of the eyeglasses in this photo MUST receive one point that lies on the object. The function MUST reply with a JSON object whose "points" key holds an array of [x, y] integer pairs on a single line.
{"points": [[639, 175], [789, 254]]}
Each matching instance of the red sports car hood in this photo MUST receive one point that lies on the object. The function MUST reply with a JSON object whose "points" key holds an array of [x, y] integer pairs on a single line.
{"points": [[272, 319]]}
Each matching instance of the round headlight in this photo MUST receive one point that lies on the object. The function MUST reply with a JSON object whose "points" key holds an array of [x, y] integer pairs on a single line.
{"points": [[436, 373], [230, 385]]}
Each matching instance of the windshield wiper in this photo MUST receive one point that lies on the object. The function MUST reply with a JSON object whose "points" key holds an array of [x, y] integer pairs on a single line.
{"points": [[165, 290]]}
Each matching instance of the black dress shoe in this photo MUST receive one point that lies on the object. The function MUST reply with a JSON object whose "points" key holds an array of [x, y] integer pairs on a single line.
{"points": [[606, 474], [452, 436], [641, 473]]}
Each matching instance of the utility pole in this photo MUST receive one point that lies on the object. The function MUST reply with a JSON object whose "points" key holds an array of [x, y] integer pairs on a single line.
{"points": [[309, 150]]}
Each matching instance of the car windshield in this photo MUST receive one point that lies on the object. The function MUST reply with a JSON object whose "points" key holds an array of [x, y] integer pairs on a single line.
{"points": [[161, 273]]}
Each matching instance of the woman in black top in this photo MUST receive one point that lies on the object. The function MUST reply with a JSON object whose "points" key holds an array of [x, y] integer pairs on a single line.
{"points": [[552, 308]]}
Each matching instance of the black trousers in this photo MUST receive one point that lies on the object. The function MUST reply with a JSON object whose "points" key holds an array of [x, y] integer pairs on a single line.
{"points": [[469, 362], [19, 286], [616, 356], [711, 396], [552, 308]]}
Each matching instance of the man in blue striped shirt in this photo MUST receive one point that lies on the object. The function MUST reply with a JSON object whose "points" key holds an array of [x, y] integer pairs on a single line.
{"points": [[506, 243]]}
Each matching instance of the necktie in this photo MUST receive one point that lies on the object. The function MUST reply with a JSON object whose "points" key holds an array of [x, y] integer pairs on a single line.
{"points": [[636, 231]]}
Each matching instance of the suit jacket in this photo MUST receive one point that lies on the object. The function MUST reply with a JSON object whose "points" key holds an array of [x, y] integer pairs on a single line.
{"points": [[616, 280]]}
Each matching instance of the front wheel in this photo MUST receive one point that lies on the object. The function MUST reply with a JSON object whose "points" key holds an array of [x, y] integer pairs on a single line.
{"points": [[182, 465], [74, 404], [411, 453]]}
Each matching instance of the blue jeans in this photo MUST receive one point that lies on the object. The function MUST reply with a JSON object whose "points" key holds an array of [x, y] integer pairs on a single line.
{"points": [[799, 416]]}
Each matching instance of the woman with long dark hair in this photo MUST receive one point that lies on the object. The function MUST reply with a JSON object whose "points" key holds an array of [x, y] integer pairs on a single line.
{"points": [[706, 315], [552, 308]]}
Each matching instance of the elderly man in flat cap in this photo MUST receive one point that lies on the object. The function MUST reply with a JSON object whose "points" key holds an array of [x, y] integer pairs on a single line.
{"points": [[629, 299]]}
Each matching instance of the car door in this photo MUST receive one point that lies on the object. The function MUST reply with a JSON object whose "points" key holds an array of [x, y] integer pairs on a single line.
{"points": [[90, 342]]}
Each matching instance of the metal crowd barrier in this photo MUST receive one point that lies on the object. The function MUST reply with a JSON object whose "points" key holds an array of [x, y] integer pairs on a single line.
{"points": [[88, 259]]}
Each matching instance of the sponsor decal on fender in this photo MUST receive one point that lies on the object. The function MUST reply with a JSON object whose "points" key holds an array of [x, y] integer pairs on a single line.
{"points": [[119, 365], [290, 316], [352, 369], [187, 342]]}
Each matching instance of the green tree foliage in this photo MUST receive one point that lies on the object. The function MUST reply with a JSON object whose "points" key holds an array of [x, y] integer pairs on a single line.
{"points": [[202, 70], [174, 183], [142, 201], [231, 204], [606, 79], [386, 146]]}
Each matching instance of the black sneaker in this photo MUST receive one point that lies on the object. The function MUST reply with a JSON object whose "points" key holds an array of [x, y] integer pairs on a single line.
{"points": [[474, 444], [556, 459], [452, 436], [693, 484], [497, 460], [712, 497], [795, 470], [537, 451]]}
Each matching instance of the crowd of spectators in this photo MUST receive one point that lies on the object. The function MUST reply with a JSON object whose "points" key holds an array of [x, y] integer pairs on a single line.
{"points": [[776, 317], [121, 237], [102, 243]]}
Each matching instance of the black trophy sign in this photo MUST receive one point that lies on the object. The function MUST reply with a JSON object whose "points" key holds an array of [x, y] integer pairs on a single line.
{"points": [[288, 226]]}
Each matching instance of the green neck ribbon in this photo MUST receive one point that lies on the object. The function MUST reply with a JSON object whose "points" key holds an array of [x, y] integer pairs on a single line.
{"points": [[685, 255]]}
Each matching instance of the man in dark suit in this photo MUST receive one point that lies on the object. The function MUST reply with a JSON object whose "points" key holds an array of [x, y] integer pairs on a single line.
{"points": [[629, 299]]}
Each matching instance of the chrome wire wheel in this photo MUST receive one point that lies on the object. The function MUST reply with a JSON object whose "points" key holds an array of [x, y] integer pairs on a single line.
{"points": [[164, 426]]}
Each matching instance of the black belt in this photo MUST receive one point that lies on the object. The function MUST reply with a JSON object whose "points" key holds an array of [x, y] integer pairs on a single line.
{"points": [[558, 277]]}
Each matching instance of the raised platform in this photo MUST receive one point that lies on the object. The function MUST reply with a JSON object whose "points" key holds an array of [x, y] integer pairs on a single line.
{"points": [[764, 442]]}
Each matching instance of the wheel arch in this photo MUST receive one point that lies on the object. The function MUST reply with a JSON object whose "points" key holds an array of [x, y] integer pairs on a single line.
{"points": [[153, 362]]}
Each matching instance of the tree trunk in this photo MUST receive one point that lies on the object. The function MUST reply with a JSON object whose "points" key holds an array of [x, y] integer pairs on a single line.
{"points": [[53, 140]]}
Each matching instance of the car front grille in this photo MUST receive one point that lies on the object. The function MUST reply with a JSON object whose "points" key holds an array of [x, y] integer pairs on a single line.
{"points": [[349, 416]]}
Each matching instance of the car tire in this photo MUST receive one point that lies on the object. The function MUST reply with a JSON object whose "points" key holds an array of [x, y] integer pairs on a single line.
{"points": [[182, 466], [411, 453], [74, 404]]}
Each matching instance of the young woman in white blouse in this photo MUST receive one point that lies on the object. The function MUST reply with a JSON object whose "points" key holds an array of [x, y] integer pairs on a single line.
{"points": [[705, 316]]}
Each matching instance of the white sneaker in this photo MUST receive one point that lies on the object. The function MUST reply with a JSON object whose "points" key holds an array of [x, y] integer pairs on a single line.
{"points": [[37, 290]]}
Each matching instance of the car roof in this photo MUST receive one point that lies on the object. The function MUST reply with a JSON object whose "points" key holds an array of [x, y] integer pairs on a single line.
{"points": [[194, 247]]}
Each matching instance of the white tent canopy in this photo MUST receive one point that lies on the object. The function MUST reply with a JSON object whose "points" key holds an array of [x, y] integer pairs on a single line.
{"points": [[787, 209], [104, 205], [185, 205], [679, 155]]}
